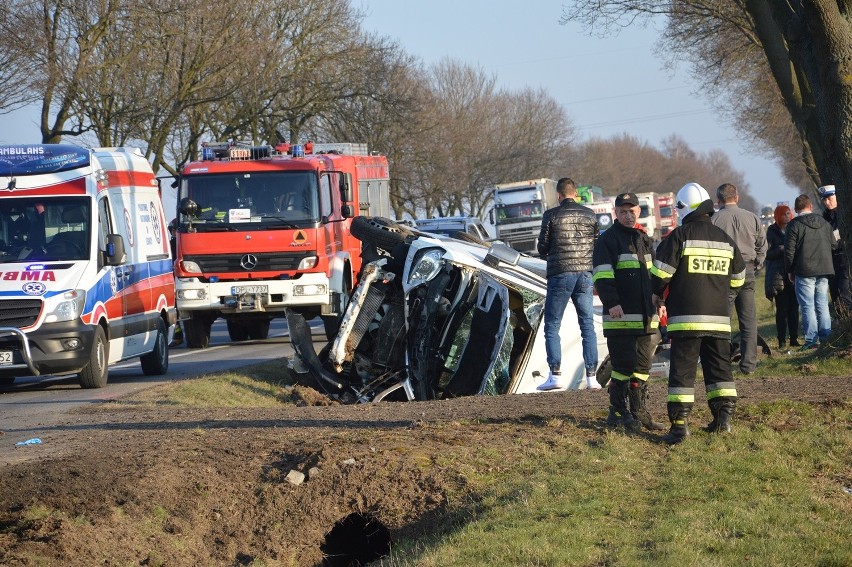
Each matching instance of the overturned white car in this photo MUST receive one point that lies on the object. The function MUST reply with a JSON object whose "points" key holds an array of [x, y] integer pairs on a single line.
{"points": [[435, 317]]}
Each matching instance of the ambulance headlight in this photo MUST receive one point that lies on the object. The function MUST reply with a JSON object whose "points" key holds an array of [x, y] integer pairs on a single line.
{"points": [[69, 307], [307, 263], [310, 289], [190, 266], [426, 266]]}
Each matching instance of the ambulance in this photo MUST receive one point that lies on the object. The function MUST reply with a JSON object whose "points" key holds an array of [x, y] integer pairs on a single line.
{"points": [[86, 274]]}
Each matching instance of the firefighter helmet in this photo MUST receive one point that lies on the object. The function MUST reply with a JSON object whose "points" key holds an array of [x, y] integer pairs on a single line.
{"points": [[688, 198]]}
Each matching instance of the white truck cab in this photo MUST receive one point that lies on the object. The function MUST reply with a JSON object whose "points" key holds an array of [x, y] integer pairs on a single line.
{"points": [[85, 263]]}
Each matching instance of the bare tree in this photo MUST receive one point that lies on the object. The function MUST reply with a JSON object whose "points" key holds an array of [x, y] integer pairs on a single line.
{"points": [[807, 47]]}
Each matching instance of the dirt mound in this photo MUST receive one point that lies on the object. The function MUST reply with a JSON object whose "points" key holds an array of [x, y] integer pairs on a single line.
{"points": [[120, 485]]}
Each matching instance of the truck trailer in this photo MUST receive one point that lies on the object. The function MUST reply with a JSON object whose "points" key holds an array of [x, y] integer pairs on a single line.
{"points": [[518, 209]]}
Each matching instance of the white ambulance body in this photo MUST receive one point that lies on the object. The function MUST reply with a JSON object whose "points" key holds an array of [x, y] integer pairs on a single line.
{"points": [[85, 263]]}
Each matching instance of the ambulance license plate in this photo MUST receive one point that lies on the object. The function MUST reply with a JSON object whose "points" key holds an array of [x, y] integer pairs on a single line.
{"points": [[6, 357], [243, 289]]}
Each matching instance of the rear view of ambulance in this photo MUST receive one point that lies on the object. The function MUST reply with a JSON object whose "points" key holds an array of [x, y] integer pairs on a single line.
{"points": [[85, 265]]}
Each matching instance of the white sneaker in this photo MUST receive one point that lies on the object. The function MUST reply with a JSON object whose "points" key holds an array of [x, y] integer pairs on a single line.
{"points": [[554, 382], [592, 383]]}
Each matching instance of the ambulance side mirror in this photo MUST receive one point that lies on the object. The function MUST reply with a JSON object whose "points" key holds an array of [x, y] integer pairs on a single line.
{"points": [[115, 254]]}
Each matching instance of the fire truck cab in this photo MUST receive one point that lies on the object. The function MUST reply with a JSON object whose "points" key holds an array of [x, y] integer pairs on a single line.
{"points": [[262, 229]]}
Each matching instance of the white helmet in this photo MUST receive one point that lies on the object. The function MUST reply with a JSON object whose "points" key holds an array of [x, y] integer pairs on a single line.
{"points": [[688, 198]]}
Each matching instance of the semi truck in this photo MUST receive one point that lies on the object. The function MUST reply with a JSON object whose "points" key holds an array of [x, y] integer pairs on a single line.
{"points": [[649, 214], [605, 212], [518, 209], [263, 228], [668, 213]]}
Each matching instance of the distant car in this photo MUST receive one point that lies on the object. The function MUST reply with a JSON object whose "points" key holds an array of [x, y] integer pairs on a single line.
{"points": [[438, 317], [449, 226]]}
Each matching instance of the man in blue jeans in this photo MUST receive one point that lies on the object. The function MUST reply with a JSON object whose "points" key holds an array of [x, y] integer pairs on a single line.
{"points": [[567, 241], [808, 252]]}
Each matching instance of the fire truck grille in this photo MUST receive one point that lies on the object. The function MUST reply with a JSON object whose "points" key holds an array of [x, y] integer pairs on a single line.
{"points": [[268, 262], [19, 312]]}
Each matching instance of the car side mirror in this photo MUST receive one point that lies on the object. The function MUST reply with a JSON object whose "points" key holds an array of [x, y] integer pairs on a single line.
{"points": [[115, 254]]}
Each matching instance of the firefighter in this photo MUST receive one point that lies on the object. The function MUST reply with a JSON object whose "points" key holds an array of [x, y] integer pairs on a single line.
{"points": [[622, 260], [698, 263], [177, 338]]}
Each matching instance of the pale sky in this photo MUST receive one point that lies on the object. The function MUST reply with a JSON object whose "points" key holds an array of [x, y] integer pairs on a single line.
{"points": [[608, 86]]}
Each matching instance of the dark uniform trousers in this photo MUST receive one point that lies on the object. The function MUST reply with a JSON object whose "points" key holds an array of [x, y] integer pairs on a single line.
{"points": [[715, 356], [631, 355]]}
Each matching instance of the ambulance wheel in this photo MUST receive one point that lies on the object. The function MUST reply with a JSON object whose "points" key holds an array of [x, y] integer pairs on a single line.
{"points": [[94, 374], [259, 329], [156, 362], [381, 232], [196, 330], [237, 330]]}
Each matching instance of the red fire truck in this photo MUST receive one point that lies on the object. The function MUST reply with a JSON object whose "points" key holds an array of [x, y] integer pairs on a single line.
{"points": [[668, 213], [262, 229]]}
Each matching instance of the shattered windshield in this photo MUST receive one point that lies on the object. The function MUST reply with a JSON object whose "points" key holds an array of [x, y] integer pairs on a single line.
{"points": [[38, 229], [285, 198]]}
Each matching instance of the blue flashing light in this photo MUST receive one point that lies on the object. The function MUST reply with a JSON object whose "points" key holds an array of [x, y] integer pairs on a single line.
{"points": [[214, 279], [298, 151], [284, 277], [207, 154]]}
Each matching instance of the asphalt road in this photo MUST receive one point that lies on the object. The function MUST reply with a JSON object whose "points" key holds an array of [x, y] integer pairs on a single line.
{"points": [[31, 404]]}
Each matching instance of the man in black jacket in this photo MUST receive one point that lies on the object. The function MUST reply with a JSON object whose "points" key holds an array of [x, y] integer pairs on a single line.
{"points": [[808, 249], [623, 258], [567, 239], [838, 286]]}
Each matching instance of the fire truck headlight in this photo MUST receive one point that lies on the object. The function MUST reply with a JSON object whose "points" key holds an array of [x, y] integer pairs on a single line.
{"points": [[310, 289], [191, 294], [426, 266], [190, 266], [307, 263], [69, 307]]}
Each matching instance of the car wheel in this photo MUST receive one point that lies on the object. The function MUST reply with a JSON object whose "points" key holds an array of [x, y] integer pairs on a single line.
{"points": [[94, 374], [380, 232], [156, 362]]}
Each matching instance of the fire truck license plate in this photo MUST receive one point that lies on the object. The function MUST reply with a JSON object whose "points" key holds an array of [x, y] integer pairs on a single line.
{"points": [[5, 357], [241, 289]]}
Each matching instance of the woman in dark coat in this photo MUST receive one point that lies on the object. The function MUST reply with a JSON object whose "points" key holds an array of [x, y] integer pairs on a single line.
{"points": [[778, 287]]}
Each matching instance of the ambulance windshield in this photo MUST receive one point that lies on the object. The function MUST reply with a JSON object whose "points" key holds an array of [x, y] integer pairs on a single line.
{"points": [[261, 199], [39, 229]]}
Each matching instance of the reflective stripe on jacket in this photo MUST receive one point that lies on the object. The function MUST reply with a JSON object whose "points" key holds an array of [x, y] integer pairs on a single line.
{"points": [[699, 264], [622, 262]]}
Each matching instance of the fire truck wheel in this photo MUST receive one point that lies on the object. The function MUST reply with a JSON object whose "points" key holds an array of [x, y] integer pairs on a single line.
{"points": [[259, 329], [196, 329], [156, 362], [380, 232], [94, 374], [237, 330], [468, 237]]}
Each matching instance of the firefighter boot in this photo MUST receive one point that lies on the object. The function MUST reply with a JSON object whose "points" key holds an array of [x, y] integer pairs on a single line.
{"points": [[638, 398], [723, 411], [678, 416], [618, 412]]}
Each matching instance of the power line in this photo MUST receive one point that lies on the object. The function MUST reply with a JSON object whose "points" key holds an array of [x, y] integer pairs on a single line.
{"points": [[626, 95], [644, 119]]}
